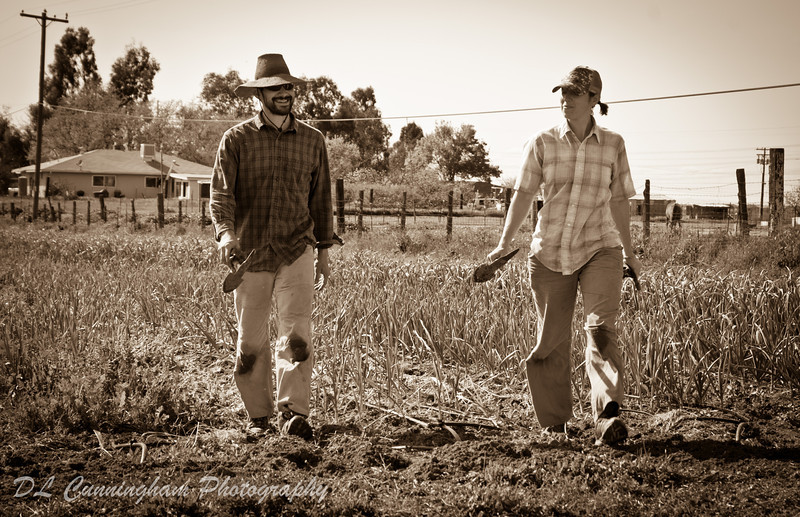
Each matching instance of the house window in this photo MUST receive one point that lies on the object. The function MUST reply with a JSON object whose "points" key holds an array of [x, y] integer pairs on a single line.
{"points": [[205, 190], [104, 181], [152, 182]]}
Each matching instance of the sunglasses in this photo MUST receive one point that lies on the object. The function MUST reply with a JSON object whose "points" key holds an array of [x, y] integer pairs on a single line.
{"points": [[287, 86]]}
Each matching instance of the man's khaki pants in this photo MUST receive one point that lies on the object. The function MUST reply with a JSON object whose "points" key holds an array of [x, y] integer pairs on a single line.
{"points": [[548, 365], [292, 286]]}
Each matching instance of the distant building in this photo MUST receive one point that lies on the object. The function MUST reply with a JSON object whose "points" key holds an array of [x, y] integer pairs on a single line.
{"points": [[718, 211], [115, 173], [658, 205], [486, 195]]}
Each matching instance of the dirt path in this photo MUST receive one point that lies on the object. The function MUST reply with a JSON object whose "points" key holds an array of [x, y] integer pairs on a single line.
{"points": [[675, 463]]}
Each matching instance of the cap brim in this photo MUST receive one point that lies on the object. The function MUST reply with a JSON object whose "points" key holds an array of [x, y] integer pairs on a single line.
{"points": [[569, 86]]}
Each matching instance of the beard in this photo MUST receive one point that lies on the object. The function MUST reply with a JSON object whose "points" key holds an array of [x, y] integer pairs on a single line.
{"points": [[279, 108]]}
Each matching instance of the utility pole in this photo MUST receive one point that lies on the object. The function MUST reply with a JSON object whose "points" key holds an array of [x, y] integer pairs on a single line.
{"points": [[43, 19], [762, 159]]}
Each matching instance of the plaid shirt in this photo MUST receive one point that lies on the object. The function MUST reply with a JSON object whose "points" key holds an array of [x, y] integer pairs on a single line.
{"points": [[578, 181], [273, 190]]}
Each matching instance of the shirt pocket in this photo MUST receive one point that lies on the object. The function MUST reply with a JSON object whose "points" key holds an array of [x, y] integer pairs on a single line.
{"points": [[296, 174], [255, 173]]}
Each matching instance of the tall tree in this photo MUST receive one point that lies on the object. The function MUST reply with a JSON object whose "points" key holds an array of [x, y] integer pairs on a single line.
{"points": [[218, 94], [84, 121], [316, 101], [74, 65], [343, 157], [454, 153], [196, 134], [132, 75], [410, 135], [13, 150], [370, 135]]}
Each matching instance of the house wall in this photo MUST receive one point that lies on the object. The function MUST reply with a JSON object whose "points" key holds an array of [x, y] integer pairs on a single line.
{"points": [[192, 189], [129, 185]]}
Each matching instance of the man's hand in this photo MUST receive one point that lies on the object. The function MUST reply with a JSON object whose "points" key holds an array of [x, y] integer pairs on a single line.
{"points": [[635, 264], [227, 248], [322, 271]]}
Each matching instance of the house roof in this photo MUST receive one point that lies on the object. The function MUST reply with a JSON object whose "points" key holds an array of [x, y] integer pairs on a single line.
{"points": [[109, 161]]}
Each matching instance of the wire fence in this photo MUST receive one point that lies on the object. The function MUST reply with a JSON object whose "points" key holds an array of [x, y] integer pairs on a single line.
{"points": [[397, 211]]}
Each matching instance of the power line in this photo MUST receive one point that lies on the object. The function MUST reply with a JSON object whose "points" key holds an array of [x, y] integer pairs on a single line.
{"points": [[121, 5], [465, 113]]}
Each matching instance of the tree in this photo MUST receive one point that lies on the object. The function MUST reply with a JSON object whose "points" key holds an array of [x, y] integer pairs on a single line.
{"points": [[316, 101], [91, 124], [454, 153], [132, 75], [410, 135], [195, 138], [343, 157], [13, 150], [74, 65], [219, 96], [372, 135], [793, 199]]}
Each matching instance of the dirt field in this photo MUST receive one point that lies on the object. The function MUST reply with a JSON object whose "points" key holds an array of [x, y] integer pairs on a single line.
{"points": [[686, 462]]}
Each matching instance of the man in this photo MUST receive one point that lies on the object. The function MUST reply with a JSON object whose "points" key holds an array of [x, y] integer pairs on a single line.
{"points": [[581, 239], [271, 195]]}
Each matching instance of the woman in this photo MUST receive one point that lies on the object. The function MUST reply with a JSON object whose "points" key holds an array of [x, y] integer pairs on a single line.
{"points": [[582, 238]]}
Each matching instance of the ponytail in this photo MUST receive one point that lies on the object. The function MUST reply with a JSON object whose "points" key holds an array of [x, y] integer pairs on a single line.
{"points": [[603, 108]]}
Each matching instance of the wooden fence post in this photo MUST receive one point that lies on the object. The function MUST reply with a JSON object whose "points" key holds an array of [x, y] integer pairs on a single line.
{"points": [[133, 212], [202, 214], [449, 214], [360, 211], [180, 211], [403, 212], [13, 212], [160, 203], [371, 201], [74, 212], [103, 208], [646, 210], [775, 190], [340, 205], [743, 222], [88, 212]]}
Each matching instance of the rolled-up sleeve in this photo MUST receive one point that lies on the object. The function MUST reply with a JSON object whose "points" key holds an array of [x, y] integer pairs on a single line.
{"points": [[530, 175], [320, 204], [622, 187], [222, 203]]}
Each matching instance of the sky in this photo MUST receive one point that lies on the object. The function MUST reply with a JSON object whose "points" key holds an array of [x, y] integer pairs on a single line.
{"points": [[450, 61]]}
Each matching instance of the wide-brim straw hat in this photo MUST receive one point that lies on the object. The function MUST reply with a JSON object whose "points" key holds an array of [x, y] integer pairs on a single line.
{"points": [[271, 70]]}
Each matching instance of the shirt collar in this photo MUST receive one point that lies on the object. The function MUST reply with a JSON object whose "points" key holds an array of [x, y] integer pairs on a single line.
{"points": [[259, 121], [596, 130]]}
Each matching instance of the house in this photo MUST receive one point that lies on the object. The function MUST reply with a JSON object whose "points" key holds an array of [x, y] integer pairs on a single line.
{"points": [[119, 173]]}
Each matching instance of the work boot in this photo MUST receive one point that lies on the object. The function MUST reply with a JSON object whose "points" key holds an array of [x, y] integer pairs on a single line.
{"points": [[295, 424]]}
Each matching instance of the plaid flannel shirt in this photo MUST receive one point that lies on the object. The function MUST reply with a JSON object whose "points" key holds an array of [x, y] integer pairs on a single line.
{"points": [[578, 182], [273, 190]]}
